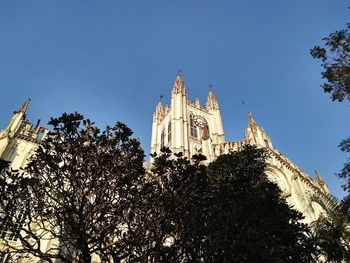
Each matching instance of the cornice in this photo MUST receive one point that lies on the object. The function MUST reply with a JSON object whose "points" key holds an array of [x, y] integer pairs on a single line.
{"points": [[292, 167], [27, 138]]}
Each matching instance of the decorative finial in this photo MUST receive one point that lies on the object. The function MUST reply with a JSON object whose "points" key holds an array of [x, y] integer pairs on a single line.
{"points": [[179, 72], [160, 98], [210, 87]]}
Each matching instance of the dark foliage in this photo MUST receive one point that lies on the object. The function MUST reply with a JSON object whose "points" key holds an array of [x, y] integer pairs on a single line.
{"points": [[335, 57], [331, 230], [228, 212], [82, 188], [251, 221], [88, 190], [345, 172], [181, 206], [3, 166]]}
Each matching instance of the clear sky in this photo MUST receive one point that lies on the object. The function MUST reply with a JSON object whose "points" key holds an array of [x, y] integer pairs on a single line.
{"points": [[111, 60]]}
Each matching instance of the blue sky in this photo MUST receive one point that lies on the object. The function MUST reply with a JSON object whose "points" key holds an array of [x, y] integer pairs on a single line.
{"points": [[111, 60]]}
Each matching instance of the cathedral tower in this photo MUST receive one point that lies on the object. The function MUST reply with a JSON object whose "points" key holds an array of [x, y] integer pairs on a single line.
{"points": [[190, 128], [186, 126]]}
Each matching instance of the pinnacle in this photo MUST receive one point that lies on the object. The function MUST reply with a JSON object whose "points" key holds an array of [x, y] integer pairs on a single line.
{"points": [[178, 80], [160, 105], [318, 177], [178, 77], [179, 86], [197, 103], [24, 106], [212, 102], [250, 118]]}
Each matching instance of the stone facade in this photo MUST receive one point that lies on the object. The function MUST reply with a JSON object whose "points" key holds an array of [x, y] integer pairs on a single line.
{"points": [[190, 128], [184, 126], [18, 141]]}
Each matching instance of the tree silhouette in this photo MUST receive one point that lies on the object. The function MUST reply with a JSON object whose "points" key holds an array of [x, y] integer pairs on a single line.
{"points": [[331, 230], [81, 191], [227, 212], [335, 57]]}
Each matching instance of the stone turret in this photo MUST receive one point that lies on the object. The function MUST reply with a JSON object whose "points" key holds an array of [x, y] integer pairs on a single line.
{"points": [[12, 127], [16, 119], [159, 113], [20, 139], [216, 127], [179, 122], [169, 126], [256, 134]]}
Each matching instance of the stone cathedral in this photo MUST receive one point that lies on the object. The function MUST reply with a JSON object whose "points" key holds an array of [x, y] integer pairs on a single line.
{"points": [[186, 126]]}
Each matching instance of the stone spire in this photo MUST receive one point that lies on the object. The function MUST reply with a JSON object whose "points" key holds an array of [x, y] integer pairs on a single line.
{"points": [[212, 102], [179, 86], [24, 106], [159, 110]]}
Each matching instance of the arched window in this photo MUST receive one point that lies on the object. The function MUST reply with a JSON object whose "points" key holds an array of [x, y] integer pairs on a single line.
{"points": [[169, 133], [193, 128], [162, 137], [266, 143]]}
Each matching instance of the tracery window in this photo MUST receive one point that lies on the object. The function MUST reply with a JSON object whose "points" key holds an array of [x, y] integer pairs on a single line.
{"points": [[162, 137], [169, 133], [193, 128]]}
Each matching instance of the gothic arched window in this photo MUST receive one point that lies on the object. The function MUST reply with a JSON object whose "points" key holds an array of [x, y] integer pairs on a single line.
{"points": [[169, 133], [162, 137], [193, 128], [266, 143]]}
